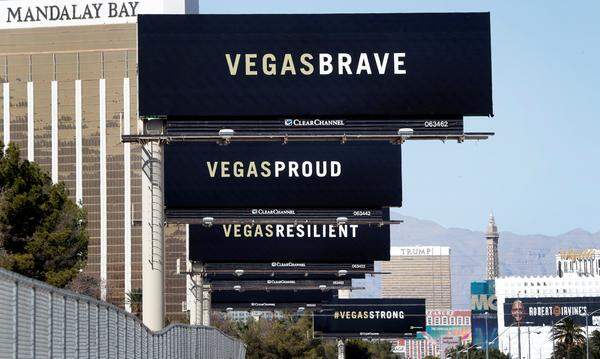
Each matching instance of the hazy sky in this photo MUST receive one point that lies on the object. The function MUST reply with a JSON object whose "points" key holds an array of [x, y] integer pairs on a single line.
{"points": [[541, 172]]}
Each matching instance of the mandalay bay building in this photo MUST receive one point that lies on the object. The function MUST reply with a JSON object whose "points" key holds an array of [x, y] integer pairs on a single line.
{"points": [[69, 90]]}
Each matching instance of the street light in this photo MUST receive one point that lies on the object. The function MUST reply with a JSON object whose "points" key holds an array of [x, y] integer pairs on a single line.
{"points": [[487, 339]]}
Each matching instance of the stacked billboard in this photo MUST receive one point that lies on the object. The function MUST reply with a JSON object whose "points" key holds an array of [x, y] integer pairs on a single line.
{"points": [[236, 79], [260, 175], [381, 318], [329, 66]]}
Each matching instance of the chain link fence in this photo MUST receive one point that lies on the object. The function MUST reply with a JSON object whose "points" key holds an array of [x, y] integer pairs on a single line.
{"points": [[41, 321]]}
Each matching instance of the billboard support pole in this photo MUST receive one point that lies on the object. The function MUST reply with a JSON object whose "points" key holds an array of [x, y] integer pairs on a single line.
{"points": [[153, 248], [196, 305], [206, 304], [341, 346]]}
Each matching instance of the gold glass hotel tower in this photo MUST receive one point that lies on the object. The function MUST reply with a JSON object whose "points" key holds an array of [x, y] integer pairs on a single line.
{"points": [[67, 93], [419, 272]]}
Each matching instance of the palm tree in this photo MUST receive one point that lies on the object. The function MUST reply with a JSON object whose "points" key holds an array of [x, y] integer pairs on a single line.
{"points": [[568, 337], [134, 299], [595, 344]]}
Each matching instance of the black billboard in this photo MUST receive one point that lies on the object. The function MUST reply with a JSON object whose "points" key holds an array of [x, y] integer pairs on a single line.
{"points": [[269, 300], [280, 284], [422, 126], [272, 175], [286, 270], [370, 318], [547, 311], [316, 243], [315, 66]]}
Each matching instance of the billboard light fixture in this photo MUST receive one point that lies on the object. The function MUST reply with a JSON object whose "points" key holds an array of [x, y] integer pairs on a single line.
{"points": [[405, 134], [208, 221], [342, 272], [341, 220], [226, 134], [237, 288], [239, 272]]}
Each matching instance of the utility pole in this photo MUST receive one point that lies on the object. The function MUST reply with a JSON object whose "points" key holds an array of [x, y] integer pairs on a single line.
{"points": [[529, 341], [587, 337], [519, 339]]}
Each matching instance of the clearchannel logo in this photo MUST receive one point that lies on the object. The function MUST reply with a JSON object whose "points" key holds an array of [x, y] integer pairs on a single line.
{"points": [[313, 123], [271, 212]]}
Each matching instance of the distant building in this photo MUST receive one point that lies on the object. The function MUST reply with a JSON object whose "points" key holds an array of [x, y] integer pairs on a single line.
{"points": [[445, 329], [449, 323], [419, 272], [545, 300], [578, 261], [492, 236], [415, 348]]}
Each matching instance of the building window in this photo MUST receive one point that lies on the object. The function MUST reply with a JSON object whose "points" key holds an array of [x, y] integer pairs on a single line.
{"points": [[459, 321], [436, 321], [452, 320], [467, 321], [444, 320]]}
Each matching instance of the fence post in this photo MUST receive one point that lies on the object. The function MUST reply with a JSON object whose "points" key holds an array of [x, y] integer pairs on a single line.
{"points": [[33, 316], [16, 321]]}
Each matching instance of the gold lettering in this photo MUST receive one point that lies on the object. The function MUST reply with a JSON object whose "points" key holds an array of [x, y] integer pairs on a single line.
{"points": [[268, 64], [238, 169], [233, 66], [288, 65], [250, 64], [266, 170], [212, 170], [308, 67], [224, 169], [227, 229], [252, 172]]}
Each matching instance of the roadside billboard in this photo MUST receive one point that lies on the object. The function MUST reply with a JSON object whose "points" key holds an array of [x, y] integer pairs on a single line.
{"points": [[484, 313], [280, 284], [315, 66], [547, 311], [286, 270], [382, 318], [316, 243], [270, 300], [271, 175]]}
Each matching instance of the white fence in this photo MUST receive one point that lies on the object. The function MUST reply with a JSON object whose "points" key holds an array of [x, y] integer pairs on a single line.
{"points": [[41, 321]]}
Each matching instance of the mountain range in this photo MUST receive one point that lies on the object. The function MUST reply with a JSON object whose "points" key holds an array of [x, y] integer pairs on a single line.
{"points": [[520, 255]]}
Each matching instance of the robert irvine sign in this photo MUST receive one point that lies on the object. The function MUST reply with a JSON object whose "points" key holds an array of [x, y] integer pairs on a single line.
{"points": [[317, 243], [324, 66], [271, 175], [370, 318], [547, 311]]}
